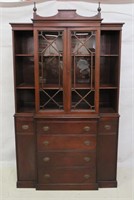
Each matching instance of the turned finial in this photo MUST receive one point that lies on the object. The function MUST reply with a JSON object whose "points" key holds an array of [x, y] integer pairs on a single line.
{"points": [[99, 8], [34, 8]]}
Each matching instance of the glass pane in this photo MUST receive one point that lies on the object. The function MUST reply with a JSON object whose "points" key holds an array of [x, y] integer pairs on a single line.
{"points": [[82, 99], [51, 69], [51, 99], [83, 69]]}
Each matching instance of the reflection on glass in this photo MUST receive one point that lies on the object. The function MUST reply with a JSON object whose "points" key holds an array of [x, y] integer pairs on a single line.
{"points": [[51, 69], [83, 67]]}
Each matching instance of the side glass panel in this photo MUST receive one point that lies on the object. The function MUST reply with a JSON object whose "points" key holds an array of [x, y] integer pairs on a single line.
{"points": [[51, 69], [83, 70]]}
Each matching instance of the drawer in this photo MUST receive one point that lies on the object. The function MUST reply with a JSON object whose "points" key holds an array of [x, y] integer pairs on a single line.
{"points": [[70, 127], [108, 126], [65, 142], [24, 125], [67, 175], [61, 159]]}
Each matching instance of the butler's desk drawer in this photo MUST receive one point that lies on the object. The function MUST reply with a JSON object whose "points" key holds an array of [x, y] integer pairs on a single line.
{"points": [[66, 127], [24, 125], [61, 159], [65, 142], [67, 175], [108, 126]]}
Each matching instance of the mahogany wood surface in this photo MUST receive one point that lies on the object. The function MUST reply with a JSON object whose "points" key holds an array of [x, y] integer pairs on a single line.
{"points": [[66, 148]]}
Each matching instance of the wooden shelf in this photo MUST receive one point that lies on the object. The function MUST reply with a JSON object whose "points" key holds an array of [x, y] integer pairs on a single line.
{"points": [[27, 109], [25, 86], [53, 55], [24, 55], [103, 87], [107, 110], [51, 87], [83, 88], [83, 55], [109, 55]]}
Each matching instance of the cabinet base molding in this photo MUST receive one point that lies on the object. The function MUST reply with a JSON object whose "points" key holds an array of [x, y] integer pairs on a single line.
{"points": [[107, 184], [25, 184], [92, 186]]}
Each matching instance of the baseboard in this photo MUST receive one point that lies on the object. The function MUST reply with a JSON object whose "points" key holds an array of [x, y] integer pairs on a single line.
{"points": [[25, 184], [92, 186], [107, 184]]}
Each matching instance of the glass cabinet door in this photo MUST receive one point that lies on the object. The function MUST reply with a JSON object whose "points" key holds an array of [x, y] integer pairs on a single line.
{"points": [[83, 52], [50, 56]]}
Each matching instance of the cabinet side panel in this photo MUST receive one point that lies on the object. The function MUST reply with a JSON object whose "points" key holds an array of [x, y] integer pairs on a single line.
{"points": [[26, 157], [107, 156]]}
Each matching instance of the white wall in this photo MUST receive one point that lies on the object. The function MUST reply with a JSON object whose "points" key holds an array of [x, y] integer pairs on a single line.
{"points": [[110, 13]]}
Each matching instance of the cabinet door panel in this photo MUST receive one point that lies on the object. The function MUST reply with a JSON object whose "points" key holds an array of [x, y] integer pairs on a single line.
{"points": [[83, 61], [51, 67], [26, 157]]}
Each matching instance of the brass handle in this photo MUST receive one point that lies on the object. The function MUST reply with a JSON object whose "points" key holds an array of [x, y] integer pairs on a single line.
{"points": [[87, 142], [25, 127], [47, 176], [46, 159], [87, 128], [87, 159], [107, 127], [86, 176], [46, 142], [46, 128]]}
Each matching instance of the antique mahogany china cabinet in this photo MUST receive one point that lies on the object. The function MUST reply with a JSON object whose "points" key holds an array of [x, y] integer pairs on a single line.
{"points": [[66, 70]]}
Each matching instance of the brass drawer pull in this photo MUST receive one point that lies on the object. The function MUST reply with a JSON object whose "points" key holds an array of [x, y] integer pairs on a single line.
{"points": [[46, 142], [107, 127], [87, 142], [86, 176], [87, 128], [87, 159], [46, 159], [47, 176], [25, 127], [46, 128]]}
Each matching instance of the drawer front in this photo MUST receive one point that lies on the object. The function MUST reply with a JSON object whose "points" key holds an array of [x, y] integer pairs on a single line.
{"points": [[56, 142], [67, 175], [61, 159], [24, 125], [73, 127], [108, 126]]}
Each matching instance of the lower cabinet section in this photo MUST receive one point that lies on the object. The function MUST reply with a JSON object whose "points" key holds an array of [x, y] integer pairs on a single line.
{"points": [[49, 158]]}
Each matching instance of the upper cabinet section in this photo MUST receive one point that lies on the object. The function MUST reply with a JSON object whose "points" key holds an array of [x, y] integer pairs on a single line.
{"points": [[67, 64]]}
